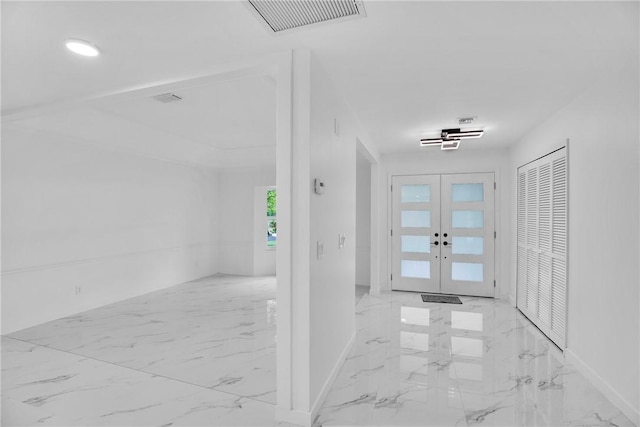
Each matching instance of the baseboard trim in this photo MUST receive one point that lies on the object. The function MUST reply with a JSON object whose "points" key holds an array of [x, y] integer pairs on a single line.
{"points": [[610, 393], [306, 419], [332, 377], [293, 417]]}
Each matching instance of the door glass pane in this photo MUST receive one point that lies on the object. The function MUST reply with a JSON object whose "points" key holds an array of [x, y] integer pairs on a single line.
{"points": [[467, 271], [467, 245], [415, 219], [417, 269], [415, 194], [419, 244], [467, 192], [467, 219]]}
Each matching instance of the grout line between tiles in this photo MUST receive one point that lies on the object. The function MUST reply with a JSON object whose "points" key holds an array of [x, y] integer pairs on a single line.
{"points": [[137, 370]]}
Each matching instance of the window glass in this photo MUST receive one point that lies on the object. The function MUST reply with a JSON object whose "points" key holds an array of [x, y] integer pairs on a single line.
{"points": [[272, 222]]}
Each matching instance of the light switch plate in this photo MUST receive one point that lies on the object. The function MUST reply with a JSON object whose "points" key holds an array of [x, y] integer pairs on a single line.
{"points": [[318, 186]]}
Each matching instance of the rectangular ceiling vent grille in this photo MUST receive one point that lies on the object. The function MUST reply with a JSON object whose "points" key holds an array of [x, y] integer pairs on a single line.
{"points": [[167, 97], [283, 15]]}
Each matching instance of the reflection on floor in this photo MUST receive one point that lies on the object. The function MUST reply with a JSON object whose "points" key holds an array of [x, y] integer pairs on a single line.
{"points": [[202, 353], [480, 363]]}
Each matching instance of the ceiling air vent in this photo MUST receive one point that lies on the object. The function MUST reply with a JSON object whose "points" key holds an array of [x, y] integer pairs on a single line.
{"points": [[283, 15], [167, 97]]}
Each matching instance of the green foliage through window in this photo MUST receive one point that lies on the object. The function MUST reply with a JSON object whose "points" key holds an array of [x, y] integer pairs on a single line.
{"points": [[271, 203]]}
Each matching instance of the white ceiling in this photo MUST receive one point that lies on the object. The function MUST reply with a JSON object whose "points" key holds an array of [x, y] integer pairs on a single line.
{"points": [[218, 123], [408, 69], [226, 115]]}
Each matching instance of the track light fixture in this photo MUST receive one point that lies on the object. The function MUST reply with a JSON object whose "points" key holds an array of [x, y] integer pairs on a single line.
{"points": [[450, 138]]}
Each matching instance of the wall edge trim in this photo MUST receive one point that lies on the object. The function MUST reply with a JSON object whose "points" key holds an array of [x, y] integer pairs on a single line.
{"points": [[604, 387], [332, 377]]}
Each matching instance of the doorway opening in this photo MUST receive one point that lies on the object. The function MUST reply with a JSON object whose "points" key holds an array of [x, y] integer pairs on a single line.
{"points": [[363, 224]]}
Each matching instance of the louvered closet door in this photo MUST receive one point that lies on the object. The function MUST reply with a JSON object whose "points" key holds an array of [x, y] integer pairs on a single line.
{"points": [[542, 244]]}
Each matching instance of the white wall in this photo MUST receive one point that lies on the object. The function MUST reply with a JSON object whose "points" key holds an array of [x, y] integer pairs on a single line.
{"points": [[236, 196], [363, 220], [84, 226], [436, 161], [333, 159], [603, 277]]}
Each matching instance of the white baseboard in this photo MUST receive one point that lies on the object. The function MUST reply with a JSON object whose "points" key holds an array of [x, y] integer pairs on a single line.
{"points": [[332, 377], [610, 393], [305, 419], [291, 416]]}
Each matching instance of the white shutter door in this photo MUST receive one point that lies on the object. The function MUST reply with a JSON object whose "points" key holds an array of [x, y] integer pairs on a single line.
{"points": [[532, 241], [542, 243], [559, 251], [522, 237]]}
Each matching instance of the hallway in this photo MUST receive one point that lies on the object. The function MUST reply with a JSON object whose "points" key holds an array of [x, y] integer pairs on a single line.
{"points": [[479, 363]]}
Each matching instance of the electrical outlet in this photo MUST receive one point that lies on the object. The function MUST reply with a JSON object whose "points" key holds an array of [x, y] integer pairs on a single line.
{"points": [[78, 290], [320, 249]]}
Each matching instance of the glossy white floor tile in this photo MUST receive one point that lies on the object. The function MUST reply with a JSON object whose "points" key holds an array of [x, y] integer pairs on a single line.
{"points": [[202, 353], [42, 386], [479, 363]]}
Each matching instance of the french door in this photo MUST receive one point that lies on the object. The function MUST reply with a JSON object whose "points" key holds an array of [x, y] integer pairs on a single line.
{"points": [[443, 234]]}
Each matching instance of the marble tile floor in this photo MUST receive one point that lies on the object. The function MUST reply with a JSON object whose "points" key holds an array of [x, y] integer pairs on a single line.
{"points": [[201, 353], [479, 363]]}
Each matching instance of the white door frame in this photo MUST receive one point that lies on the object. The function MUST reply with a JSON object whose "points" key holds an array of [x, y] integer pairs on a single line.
{"points": [[488, 234], [428, 234], [488, 285]]}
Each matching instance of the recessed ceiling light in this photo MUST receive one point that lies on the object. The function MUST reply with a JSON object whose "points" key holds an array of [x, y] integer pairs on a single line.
{"points": [[82, 47]]}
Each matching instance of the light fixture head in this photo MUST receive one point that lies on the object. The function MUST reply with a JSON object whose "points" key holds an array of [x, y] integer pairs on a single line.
{"points": [[457, 133], [452, 144], [450, 138], [426, 142], [82, 47]]}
